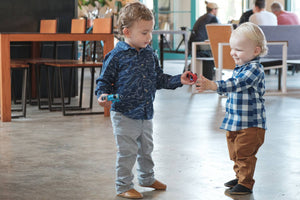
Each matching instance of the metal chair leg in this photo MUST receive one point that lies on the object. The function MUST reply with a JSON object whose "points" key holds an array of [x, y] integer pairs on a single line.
{"points": [[24, 94], [24, 91], [62, 92]]}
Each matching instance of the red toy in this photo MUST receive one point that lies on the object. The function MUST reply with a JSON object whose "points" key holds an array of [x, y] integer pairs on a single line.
{"points": [[193, 77]]}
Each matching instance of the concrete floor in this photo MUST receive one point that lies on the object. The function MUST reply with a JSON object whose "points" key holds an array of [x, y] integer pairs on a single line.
{"points": [[48, 156]]}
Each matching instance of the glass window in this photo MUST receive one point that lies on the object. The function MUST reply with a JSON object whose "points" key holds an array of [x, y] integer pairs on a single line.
{"points": [[148, 3], [171, 15], [295, 6], [228, 10]]}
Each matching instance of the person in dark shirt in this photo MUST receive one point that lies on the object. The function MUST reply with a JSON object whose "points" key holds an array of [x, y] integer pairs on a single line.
{"points": [[132, 70], [199, 33], [245, 16]]}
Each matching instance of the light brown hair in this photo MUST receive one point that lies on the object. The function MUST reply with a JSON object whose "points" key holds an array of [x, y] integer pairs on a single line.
{"points": [[131, 13]]}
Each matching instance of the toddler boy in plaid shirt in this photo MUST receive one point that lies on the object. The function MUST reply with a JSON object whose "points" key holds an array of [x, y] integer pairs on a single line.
{"points": [[245, 118]]}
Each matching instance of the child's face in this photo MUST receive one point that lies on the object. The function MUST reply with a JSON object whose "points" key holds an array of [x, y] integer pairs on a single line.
{"points": [[139, 35], [243, 49]]}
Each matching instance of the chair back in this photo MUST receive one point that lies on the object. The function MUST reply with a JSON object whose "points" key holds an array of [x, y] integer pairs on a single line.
{"points": [[103, 25], [78, 26], [220, 33], [48, 26]]}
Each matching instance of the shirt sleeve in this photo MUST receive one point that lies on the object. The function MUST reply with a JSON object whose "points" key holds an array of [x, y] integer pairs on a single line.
{"points": [[166, 81], [107, 77], [245, 79], [214, 20]]}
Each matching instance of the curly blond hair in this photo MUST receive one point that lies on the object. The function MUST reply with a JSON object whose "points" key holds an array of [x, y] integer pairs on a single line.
{"points": [[254, 33]]}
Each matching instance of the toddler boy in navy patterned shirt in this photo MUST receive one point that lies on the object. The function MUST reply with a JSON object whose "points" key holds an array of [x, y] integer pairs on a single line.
{"points": [[245, 118], [131, 70]]}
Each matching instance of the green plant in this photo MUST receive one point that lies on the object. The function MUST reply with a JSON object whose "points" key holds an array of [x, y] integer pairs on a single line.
{"points": [[92, 2]]}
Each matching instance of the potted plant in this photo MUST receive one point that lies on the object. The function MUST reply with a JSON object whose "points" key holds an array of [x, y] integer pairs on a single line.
{"points": [[92, 3], [92, 9]]}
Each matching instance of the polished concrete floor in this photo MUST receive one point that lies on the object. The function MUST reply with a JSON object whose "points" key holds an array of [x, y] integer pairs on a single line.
{"points": [[47, 156]]}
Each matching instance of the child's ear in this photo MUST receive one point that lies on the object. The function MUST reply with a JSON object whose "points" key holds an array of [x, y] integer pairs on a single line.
{"points": [[257, 51], [126, 32]]}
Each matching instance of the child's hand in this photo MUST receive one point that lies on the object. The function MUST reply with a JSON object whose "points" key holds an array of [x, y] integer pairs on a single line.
{"points": [[185, 80], [103, 103], [203, 84]]}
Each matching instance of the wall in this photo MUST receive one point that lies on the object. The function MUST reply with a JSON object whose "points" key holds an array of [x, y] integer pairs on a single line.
{"points": [[24, 15]]}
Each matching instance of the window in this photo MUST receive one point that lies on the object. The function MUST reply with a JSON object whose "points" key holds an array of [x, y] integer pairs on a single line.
{"points": [[228, 10], [148, 3], [174, 14], [170, 15], [295, 6]]}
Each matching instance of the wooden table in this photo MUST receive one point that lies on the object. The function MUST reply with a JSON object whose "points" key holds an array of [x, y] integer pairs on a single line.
{"points": [[6, 38]]}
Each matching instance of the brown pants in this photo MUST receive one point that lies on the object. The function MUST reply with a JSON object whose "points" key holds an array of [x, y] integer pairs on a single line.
{"points": [[243, 146]]}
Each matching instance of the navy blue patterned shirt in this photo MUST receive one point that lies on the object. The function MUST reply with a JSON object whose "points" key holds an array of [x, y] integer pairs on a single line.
{"points": [[135, 76], [245, 103]]}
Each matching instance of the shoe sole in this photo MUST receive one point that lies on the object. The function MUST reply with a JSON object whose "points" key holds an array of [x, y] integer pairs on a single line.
{"points": [[230, 186], [228, 193], [154, 188], [239, 193], [129, 197]]}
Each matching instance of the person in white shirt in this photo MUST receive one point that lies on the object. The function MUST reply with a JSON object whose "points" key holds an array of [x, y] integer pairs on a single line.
{"points": [[261, 16]]}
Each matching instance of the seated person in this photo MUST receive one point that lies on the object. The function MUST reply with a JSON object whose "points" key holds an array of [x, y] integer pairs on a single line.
{"points": [[284, 17], [245, 16], [261, 16], [199, 33]]}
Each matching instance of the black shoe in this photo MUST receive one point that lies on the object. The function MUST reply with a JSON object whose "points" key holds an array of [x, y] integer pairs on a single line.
{"points": [[231, 183], [240, 190]]}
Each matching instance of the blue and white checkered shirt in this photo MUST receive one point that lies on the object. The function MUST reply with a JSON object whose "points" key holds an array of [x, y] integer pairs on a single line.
{"points": [[135, 76], [245, 103]]}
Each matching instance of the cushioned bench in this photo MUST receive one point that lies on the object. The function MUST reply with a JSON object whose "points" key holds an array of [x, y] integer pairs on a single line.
{"points": [[288, 33]]}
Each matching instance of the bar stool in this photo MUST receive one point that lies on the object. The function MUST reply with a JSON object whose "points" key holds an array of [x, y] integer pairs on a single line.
{"points": [[101, 25], [14, 66], [46, 26]]}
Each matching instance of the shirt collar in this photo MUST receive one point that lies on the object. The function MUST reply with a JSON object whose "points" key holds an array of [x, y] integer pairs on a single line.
{"points": [[123, 46], [256, 59], [253, 61]]}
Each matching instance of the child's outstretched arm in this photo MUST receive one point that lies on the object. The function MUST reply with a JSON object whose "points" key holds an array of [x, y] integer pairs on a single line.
{"points": [[203, 84]]}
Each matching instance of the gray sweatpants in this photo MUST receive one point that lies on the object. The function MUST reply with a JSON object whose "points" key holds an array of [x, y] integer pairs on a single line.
{"points": [[134, 142]]}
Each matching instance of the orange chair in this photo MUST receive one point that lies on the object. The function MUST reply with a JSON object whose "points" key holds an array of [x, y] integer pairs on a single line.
{"points": [[101, 25], [46, 26], [220, 33]]}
